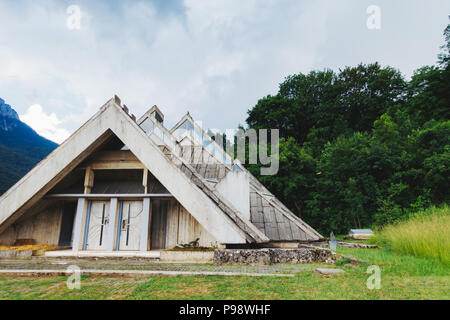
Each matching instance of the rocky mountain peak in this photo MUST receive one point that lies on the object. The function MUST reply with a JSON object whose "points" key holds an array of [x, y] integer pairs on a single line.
{"points": [[7, 111], [8, 116]]}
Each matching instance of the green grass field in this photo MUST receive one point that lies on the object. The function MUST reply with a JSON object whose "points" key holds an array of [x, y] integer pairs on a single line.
{"points": [[402, 277], [413, 262]]}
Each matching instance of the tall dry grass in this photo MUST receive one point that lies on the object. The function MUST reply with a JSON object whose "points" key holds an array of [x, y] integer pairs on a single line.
{"points": [[426, 234]]}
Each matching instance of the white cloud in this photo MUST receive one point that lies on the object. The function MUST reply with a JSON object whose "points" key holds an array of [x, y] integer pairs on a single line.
{"points": [[212, 58], [47, 125]]}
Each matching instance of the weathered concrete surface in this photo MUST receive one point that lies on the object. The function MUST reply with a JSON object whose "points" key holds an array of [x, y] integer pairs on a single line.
{"points": [[187, 256], [327, 271], [133, 273], [272, 255], [7, 254], [143, 264], [102, 254], [13, 254], [235, 187]]}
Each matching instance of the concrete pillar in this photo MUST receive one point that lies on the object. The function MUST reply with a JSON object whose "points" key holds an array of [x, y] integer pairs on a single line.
{"points": [[144, 224], [78, 224], [112, 224]]}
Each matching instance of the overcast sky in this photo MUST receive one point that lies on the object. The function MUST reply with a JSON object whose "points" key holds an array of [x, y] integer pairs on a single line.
{"points": [[212, 58]]}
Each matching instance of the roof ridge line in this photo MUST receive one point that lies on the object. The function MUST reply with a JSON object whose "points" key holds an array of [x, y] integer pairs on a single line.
{"points": [[102, 109]]}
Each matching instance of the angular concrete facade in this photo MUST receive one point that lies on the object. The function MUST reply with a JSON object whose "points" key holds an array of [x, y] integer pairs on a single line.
{"points": [[121, 184]]}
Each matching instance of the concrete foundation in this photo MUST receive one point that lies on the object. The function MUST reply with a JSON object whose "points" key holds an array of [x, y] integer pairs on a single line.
{"points": [[187, 256], [102, 254], [13, 254]]}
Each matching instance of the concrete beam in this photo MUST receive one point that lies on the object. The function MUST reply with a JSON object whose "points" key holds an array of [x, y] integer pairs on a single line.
{"points": [[88, 180], [109, 195], [81, 205]]}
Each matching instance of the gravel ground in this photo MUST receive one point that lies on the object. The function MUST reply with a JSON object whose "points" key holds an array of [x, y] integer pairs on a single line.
{"points": [[140, 264]]}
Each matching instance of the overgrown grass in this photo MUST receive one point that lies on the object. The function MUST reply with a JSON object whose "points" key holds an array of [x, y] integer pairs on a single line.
{"points": [[425, 234]]}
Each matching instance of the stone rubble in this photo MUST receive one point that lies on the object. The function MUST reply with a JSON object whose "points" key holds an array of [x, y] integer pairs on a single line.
{"points": [[272, 255]]}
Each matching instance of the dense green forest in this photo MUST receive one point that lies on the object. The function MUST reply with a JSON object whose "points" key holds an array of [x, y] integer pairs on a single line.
{"points": [[362, 146]]}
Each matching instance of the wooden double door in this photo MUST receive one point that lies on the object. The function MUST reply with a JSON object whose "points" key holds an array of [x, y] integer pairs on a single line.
{"points": [[127, 225], [97, 225]]}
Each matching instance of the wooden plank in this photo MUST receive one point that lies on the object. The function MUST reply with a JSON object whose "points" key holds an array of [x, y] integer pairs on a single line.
{"points": [[172, 225], [270, 228], [116, 165], [114, 155], [110, 195], [88, 180], [43, 227], [155, 233], [296, 233], [269, 215]]}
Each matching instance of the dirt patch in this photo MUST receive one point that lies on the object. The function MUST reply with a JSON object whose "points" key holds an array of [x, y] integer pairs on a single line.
{"points": [[194, 290]]}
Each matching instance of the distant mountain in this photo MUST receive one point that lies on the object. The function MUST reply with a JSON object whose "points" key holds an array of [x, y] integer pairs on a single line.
{"points": [[21, 148]]}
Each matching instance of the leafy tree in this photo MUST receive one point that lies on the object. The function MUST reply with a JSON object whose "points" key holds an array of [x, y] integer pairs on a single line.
{"points": [[297, 106], [361, 146], [429, 94], [365, 93]]}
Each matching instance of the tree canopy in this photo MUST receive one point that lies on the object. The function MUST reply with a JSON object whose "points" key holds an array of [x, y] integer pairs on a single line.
{"points": [[360, 146]]}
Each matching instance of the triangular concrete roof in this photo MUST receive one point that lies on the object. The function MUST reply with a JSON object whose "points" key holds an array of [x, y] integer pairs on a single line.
{"points": [[224, 222], [285, 218]]}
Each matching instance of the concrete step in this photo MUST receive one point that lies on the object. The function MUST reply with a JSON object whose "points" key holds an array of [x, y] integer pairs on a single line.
{"points": [[103, 254]]}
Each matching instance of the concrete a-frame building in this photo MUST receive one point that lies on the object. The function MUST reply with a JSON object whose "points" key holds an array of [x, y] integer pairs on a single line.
{"points": [[118, 184]]}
